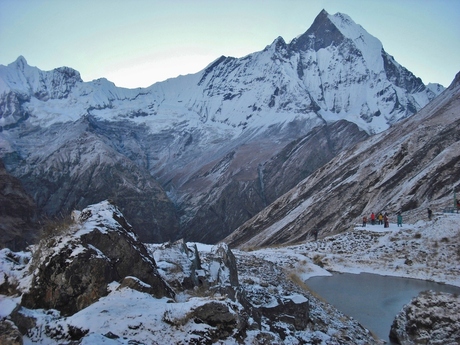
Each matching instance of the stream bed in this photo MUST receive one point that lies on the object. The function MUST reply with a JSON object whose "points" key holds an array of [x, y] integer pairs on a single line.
{"points": [[371, 299]]}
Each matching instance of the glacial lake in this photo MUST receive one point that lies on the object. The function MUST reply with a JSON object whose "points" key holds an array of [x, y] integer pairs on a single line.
{"points": [[373, 300]]}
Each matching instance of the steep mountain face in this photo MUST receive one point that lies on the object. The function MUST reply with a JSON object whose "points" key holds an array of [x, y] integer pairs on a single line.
{"points": [[411, 167], [18, 213], [222, 143], [84, 168], [302, 157], [254, 187]]}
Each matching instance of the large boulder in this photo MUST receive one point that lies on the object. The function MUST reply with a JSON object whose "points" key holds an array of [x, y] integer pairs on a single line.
{"points": [[222, 317], [294, 310], [431, 318], [74, 267]]}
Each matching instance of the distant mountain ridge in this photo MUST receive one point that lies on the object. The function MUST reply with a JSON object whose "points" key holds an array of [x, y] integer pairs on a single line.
{"points": [[210, 145]]}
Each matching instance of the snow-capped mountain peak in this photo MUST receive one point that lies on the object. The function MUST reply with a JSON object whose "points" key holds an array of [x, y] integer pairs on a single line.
{"points": [[203, 133], [335, 70], [19, 76]]}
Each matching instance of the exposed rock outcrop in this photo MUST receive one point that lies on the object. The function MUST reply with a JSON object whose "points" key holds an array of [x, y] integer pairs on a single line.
{"points": [[238, 309], [180, 265], [73, 268], [431, 318], [223, 266], [293, 310]]}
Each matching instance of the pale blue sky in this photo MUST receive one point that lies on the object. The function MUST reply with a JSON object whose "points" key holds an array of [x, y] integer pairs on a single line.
{"points": [[139, 42]]}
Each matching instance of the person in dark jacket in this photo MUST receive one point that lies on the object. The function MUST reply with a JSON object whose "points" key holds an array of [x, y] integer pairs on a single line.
{"points": [[386, 223], [315, 233], [430, 213]]}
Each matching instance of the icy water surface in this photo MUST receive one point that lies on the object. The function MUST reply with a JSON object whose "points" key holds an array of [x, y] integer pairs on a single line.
{"points": [[373, 300]]}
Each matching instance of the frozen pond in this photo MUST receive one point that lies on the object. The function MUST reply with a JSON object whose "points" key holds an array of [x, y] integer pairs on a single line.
{"points": [[373, 300]]}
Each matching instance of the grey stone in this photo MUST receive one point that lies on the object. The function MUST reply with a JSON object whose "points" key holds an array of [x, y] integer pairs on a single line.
{"points": [[430, 318], [9, 333]]}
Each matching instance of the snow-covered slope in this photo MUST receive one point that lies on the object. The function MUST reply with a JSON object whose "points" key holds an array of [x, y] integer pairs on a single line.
{"points": [[205, 137], [411, 167]]}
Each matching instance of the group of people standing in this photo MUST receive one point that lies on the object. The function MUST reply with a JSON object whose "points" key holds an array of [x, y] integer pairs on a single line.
{"points": [[382, 219]]}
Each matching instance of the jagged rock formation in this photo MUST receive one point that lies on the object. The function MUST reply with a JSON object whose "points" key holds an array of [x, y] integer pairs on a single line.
{"points": [[180, 265], [74, 268], [18, 213], [431, 318], [412, 166], [220, 142]]}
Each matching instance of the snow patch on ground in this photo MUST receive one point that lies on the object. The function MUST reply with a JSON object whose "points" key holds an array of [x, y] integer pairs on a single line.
{"points": [[427, 250]]}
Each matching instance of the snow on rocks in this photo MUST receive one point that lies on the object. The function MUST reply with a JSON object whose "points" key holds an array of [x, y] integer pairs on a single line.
{"points": [[267, 303], [72, 268], [430, 318]]}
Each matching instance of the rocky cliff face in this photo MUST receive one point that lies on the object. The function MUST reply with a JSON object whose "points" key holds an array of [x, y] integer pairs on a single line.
{"points": [[302, 157], [219, 142], [86, 168], [26, 83], [18, 213], [409, 168], [239, 195]]}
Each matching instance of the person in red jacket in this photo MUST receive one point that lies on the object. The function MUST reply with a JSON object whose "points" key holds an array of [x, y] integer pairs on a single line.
{"points": [[372, 218]]}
